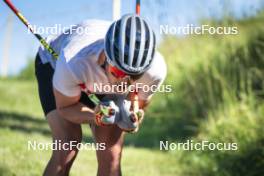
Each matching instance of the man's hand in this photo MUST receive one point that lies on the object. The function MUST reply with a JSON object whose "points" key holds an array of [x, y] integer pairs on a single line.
{"points": [[105, 113], [119, 112], [125, 118], [137, 117], [129, 119], [137, 114]]}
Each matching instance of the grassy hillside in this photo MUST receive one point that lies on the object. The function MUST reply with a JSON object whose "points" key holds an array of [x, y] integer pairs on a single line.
{"points": [[218, 96], [218, 91]]}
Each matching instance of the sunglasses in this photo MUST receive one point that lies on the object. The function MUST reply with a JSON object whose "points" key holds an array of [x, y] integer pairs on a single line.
{"points": [[116, 72]]}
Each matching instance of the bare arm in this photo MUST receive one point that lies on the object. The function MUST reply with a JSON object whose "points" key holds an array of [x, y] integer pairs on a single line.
{"points": [[72, 110]]}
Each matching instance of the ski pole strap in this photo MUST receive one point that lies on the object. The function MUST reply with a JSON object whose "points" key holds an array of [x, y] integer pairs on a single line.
{"points": [[93, 98]]}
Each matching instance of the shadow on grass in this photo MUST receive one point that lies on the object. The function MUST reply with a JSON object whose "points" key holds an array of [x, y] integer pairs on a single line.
{"points": [[152, 130], [23, 123]]}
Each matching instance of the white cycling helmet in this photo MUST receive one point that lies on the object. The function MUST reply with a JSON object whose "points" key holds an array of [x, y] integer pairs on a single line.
{"points": [[130, 44]]}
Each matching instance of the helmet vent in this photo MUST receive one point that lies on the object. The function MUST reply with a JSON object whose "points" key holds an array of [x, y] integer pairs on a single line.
{"points": [[127, 40]]}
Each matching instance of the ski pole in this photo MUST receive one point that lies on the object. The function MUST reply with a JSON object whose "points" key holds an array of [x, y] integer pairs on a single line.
{"points": [[138, 7], [92, 96], [27, 24], [136, 104]]}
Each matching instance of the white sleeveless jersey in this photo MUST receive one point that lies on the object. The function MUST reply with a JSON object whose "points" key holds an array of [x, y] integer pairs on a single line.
{"points": [[79, 49]]}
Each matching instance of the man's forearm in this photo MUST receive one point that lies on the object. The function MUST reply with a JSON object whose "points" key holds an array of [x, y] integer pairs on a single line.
{"points": [[77, 113]]}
